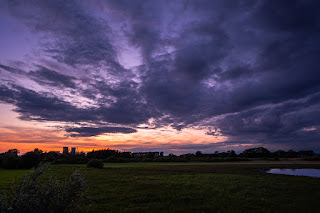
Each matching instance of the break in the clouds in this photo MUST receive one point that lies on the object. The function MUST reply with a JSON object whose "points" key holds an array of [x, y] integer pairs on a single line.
{"points": [[246, 70]]}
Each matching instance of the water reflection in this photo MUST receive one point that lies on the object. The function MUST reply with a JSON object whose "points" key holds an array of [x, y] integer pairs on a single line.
{"points": [[296, 172]]}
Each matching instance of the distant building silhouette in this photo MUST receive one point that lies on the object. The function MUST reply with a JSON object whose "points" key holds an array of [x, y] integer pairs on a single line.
{"points": [[65, 150], [147, 154], [73, 151], [139, 154]]}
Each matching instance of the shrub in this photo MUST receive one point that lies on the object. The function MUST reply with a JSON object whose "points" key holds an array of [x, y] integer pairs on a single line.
{"points": [[111, 159], [36, 192], [95, 163]]}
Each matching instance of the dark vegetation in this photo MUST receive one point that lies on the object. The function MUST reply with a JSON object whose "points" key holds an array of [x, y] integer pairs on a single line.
{"points": [[40, 192], [95, 163], [12, 160]]}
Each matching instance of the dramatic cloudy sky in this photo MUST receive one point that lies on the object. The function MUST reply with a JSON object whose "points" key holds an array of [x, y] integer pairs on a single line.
{"points": [[166, 75]]}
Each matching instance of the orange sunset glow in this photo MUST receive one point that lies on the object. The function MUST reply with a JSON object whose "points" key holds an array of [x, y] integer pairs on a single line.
{"points": [[26, 136]]}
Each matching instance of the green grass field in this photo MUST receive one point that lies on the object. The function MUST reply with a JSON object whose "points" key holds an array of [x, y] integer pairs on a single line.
{"points": [[8, 176], [193, 187]]}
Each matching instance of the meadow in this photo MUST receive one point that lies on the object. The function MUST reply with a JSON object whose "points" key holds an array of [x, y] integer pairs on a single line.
{"points": [[192, 187]]}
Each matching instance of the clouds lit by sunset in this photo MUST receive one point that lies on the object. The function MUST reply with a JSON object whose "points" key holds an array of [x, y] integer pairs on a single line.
{"points": [[175, 76]]}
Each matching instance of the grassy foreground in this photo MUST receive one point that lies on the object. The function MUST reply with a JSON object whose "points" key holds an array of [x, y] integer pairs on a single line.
{"points": [[193, 187]]}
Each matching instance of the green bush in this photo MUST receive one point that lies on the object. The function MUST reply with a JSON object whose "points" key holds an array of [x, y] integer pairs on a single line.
{"points": [[95, 163], [40, 192]]}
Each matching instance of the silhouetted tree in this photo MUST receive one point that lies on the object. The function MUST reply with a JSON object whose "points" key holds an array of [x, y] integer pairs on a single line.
{"points": [[51, 156], [199, 154], [31, 159], [10, 159], [258, 152]]}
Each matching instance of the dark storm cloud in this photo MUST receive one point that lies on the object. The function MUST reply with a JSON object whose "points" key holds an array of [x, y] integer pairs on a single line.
{"points": [[32, 105], [12, 70], [251, 66], [75, 36], [93, 131], [48, 107], [288, 15], [44, 76], [7, 95], [120, 102], [287, 123], [145, 19], [50, 77], [285, 66]]}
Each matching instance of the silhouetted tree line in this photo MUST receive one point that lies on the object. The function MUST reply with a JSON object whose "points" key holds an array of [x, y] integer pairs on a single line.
{"points": [[260, 152], [106, 153], [12, 160]]}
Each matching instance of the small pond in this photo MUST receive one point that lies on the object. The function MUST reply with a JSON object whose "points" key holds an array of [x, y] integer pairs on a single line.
{"points": [[296, 172]]}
